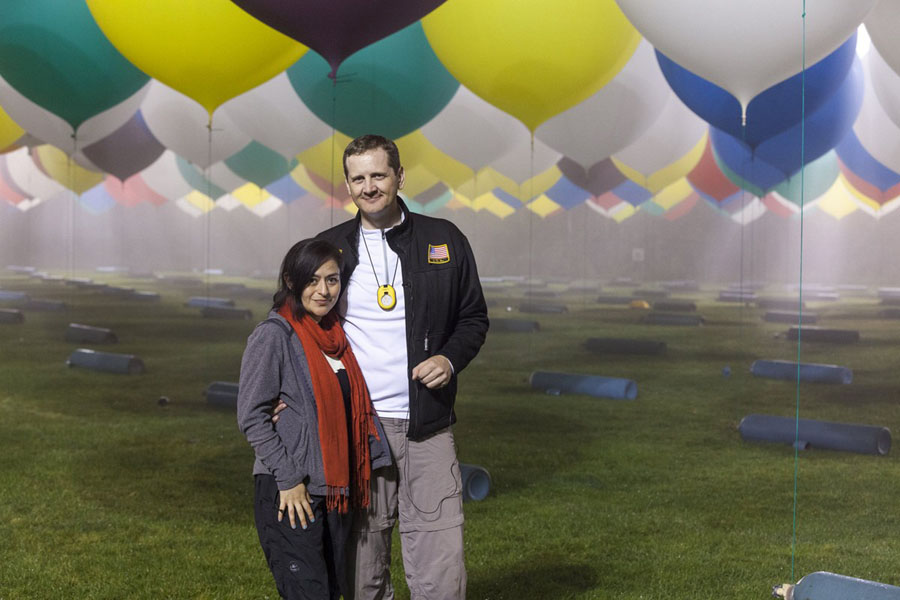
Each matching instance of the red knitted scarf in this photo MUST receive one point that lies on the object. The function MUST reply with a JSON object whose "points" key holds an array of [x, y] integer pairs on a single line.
{"points": [[347, 466]]}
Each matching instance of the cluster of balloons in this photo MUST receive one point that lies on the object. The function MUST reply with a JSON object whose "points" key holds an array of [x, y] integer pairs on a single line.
{"points": [[624, 105]]}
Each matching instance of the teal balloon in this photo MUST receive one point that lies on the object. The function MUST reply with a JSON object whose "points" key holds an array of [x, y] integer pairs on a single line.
{"points": [[197, 180], [259, 164], [818, 177], [390, 88], [53, 53]]}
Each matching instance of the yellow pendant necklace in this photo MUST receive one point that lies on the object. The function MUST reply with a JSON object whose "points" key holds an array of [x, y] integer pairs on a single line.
{"points": [[386, 295]]}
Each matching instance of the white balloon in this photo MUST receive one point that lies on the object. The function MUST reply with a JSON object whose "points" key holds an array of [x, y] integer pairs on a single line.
{"points": [[164, 177], [472, 131], [522, 162], [885, 84], [874, 128], [182, 125], [675, 132], [29, 178], [615, 116], [52, 129], [745, 47], [882, 25], [275, 116]]}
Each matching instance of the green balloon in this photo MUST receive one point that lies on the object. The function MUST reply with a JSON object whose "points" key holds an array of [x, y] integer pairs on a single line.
{"points": [[259, 164], [818, 177], [390, 88], [53, 53], [197, 180]]}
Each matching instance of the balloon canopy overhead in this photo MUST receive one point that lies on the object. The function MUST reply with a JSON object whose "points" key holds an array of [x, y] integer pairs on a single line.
{"points": [[498, 106]]}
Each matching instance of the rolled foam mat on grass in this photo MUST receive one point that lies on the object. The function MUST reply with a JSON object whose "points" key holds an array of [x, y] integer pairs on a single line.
{"points": [[889, 292], [225, 312], [113, 290], [780, 303], [889, 313], [590, 385], [542, 308], [624, 346], [819, 334], [849, 437], [811, 372], [891, 301], [145, 296], [44, 305], [87, 334], [667, 318], [11, 316], [822, 585], [11, 297], [786, 316], [675, 305], [514, 325], [822, 296], [109, 362], [222, 393], [476, 482], [736, 296], [201, 301], [688, 285], [541, 294]]}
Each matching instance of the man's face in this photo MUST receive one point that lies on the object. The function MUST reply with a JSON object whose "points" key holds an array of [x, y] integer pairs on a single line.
{"points": [[373, 185]]}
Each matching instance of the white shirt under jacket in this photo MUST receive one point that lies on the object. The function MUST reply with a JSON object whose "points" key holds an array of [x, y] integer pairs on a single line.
{"points": [[378, 337]]}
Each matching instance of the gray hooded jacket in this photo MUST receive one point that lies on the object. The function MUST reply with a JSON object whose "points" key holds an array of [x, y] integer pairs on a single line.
{"points": [[274, 366]]}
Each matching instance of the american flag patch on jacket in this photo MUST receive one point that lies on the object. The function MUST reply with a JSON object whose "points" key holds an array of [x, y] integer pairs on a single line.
{"points": [[438, 254]]}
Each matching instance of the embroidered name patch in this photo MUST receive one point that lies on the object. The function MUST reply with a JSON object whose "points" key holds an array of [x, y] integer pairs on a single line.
{"points": [[438, 254]]}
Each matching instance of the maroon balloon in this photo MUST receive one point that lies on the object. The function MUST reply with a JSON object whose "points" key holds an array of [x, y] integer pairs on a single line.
{"points": [[126, 151], [599, 179], [338, 28]]}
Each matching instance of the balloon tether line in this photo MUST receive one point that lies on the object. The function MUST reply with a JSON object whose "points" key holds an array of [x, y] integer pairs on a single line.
{"points": [[800, 292]]}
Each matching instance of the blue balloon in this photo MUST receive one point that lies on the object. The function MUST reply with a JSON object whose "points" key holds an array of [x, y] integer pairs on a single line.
{"points": [[779, 157], [773, 110], [858, 160]]}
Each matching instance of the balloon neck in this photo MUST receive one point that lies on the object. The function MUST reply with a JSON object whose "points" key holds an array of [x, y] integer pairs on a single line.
{"points": [[743, 116]]}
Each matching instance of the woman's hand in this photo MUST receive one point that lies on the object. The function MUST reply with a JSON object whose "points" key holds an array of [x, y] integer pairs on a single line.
{"points": [[297, 504], [280, 406]]}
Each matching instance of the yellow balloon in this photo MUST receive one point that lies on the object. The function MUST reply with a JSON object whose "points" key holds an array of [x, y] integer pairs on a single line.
{"points": [[58, 165], [9, 130], [209, 50], [532, 58]]}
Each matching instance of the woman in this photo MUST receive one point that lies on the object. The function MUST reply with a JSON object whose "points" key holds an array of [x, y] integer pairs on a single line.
{"points": [[314, 464]]}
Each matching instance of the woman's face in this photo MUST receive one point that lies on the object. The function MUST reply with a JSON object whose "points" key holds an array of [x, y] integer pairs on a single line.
{"points": [[322, 291]]}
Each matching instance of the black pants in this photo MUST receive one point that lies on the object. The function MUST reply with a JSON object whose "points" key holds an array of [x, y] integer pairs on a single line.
{"points": [[307, 564]]}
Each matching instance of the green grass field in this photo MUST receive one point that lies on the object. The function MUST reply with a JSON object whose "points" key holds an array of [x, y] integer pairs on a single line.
{"points": [[107, 494]]}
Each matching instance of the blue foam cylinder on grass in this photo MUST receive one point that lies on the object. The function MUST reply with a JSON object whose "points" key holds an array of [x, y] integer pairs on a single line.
{"points": [[819, 334], [222, 393], [848, 437], [109, 362], [203, 301], [10, 297], [87, 334], [11, 316], [830, 586], [476, 482], [812, 372], [589, 385]]}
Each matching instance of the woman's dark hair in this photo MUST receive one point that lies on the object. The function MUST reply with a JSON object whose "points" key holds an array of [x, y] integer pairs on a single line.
{"points": [[298, 267]]}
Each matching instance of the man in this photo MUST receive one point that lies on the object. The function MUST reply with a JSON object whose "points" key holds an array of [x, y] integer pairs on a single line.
{"points": [[415, 316]]}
